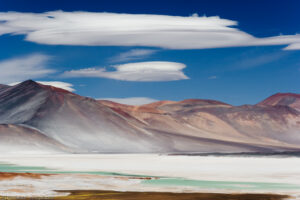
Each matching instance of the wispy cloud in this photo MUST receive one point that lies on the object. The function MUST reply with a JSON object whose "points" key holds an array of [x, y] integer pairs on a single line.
{"points": [[140, 71], [212, 77], [256, 61], [131, 100], [114, 29], [133, 54], [58, 84], [26, 67]]}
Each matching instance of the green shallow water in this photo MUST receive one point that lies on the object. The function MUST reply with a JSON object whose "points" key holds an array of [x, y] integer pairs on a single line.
{"points": [[221, 184], [162, 181], [30, 169], [16, 168]]}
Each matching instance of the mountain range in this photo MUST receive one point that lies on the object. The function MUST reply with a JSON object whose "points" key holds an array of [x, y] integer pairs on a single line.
{"points": [[42, 118]]}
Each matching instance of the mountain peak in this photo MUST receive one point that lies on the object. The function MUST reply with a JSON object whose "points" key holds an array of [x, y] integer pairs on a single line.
{"points": [[30, 84], [26, 85], [282, 99], [286, 94]]}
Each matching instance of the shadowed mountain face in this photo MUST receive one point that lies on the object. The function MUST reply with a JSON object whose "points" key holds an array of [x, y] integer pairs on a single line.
{"points": [[68, 122], [3, 87]]}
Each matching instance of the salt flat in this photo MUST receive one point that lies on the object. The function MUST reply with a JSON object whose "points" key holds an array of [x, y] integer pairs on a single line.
{"points": [[244, 172], [247, 169]]}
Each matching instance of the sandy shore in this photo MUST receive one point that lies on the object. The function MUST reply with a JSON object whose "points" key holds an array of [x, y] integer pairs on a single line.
{"points": [[101, 195], [10, 176]]}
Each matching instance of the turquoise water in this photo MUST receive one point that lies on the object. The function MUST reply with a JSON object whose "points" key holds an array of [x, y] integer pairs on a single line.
{"points": [[220, 184], [16, 168], [162, 181], [30, 169]]}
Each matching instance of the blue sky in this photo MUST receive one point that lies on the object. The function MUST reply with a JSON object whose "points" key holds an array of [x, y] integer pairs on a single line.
{"points": [[247, 53]]}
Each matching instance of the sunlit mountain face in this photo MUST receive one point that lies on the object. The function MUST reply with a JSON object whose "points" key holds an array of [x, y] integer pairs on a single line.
{"points": [[42, 117]]}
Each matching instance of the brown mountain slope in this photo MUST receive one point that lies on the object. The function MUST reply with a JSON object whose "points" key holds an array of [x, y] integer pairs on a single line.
{"points": [[267, 125], [283, 99], [87, 125], [78, 122]]}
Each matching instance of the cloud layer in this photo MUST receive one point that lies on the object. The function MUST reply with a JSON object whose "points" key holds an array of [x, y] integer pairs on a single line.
{"points": [[113, 29], [22, 68], [133, 54], [58, 84], [131, 100], [140, 71]]}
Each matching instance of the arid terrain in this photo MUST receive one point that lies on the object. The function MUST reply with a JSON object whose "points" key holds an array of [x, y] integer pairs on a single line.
{"points": [[106, 195], [69, 175], [55, 144], [36, 117]]}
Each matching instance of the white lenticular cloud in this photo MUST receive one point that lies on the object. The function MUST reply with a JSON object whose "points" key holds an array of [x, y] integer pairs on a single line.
{"points": [[23, 68], [294, 46], [58, 84], [114, 29], [131, 100], [141, 71]]}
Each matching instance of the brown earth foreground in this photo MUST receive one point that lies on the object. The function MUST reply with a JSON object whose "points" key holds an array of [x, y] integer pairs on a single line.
{"points": [[12, 175], [113, 195]]}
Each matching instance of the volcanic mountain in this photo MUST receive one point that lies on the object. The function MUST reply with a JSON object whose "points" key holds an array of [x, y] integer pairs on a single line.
{"points": [[283, 99], [40, 117]]}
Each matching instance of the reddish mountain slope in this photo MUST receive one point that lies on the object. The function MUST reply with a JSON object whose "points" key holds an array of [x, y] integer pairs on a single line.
{"points": [[283, 99], [255, 125], [87, 125]]}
